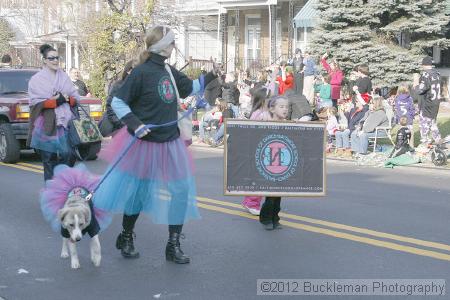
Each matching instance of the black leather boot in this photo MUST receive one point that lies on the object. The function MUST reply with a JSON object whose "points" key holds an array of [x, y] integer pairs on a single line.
{"points": [[126, 245], [173, 250]]}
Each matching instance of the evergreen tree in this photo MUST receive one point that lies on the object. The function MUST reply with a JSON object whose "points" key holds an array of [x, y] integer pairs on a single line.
{"points": [[391, 36]]}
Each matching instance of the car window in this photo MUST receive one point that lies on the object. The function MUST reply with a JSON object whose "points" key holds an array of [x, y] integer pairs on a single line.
{"points": [[13, 82]]}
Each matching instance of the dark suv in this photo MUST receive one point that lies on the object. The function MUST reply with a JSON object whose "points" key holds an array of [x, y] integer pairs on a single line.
{"points": [[15, 113]]}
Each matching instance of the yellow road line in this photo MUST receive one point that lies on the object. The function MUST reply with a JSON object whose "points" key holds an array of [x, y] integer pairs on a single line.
{"points": [[31, 165], [345, 227], [334, 233], [338, 234], [21, 167]]}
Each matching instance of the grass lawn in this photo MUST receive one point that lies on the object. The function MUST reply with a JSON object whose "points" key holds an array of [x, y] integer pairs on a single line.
{"points": [[443, 124]]}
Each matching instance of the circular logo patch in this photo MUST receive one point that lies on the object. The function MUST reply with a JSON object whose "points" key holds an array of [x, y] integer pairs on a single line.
{"points": [[276, 157], [166, 90], [78, 191]]}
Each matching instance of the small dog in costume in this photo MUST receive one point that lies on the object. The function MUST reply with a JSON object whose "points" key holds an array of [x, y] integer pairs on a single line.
{"points": [[64, 205]]}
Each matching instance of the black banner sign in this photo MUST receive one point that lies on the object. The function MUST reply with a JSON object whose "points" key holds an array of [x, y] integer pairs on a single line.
{"points": [[274, 158]]}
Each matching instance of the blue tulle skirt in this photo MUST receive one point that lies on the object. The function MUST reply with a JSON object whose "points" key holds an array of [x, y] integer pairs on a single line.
{"points": [[57, 143], [154, 178]]}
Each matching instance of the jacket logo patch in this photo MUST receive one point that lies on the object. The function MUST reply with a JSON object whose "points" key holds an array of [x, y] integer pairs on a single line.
{"points": [[166, 90]]}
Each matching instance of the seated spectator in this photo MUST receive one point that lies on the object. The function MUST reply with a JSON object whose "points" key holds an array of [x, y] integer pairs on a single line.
{"points": [[402, 145], [353, 116], [365, 129]]}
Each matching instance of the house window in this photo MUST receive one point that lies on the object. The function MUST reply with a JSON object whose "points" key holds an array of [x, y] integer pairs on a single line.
{"points": [[301, 34], [253, 37], [202, 44]]}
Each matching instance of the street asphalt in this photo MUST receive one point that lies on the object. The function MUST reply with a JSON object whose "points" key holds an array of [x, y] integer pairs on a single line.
{"points": [[373, 224]]}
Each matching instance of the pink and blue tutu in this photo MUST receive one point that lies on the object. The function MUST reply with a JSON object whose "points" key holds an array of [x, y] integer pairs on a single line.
{"points": [[67, 181], [57, 143], [154, 178]]}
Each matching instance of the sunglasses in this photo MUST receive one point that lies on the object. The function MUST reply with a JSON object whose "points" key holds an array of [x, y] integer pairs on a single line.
{"points": [[51, 58]]}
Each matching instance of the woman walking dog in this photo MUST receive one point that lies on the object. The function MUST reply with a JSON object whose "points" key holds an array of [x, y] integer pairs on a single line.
{"points": [[156, 175]]}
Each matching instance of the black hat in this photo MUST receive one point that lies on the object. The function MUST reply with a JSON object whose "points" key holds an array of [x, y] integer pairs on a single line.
{"points": [[427, 61], [298, 50]]}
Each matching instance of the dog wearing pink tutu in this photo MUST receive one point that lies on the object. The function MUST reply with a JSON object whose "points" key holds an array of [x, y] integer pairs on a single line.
{"points": [[66, 205]]}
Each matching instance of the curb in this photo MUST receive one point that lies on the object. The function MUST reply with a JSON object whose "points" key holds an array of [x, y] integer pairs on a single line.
{"points": [[420, 166]]}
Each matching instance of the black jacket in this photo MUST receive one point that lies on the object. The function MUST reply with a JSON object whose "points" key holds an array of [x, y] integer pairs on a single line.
{"points": [[231, 93], [429, 90]]}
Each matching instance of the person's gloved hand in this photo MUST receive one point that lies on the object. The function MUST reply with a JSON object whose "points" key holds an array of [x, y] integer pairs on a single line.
{"points": [[60, 100], [141, 131]]}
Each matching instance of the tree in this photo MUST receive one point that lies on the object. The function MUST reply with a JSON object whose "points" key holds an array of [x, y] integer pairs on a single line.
{"points": [[390, 36], [110, 39], [6, 35]]}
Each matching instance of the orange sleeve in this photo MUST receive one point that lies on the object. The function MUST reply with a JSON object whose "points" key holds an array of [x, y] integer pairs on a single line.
{"points": [[72, 101], [50, 103]]}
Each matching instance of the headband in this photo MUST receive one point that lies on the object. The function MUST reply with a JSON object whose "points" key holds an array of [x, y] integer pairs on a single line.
{"points": [[167, 39]]}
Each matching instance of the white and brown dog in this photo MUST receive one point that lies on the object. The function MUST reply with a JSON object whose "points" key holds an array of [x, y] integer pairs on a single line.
{"points": [[77, 218]]}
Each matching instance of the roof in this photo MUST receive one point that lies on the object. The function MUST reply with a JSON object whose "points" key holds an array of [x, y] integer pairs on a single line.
{"points": [[307, 16]]}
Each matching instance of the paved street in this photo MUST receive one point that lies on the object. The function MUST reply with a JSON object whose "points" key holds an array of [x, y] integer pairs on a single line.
{"points": [[374, 223]]}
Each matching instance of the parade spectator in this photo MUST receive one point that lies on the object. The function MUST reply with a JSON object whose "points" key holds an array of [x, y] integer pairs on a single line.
{"points": [[336, 79], [230, 93], [309, 72], [403, 138], [297, 65], [81, 87], [110, 122], [269, 218], [363, 81], [429, 90], [332, 126], [325, 92], [353, 117], [404, 105], [214, 90], [285, 79], [365, 129], [52, 95], [156, 175], [6, 61], [259, 112]]}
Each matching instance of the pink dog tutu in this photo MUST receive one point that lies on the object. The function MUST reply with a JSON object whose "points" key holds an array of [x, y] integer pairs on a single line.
{"points": [[66, 181], [154, 178]]}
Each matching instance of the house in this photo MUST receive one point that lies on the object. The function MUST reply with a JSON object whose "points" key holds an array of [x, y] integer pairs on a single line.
{"points": [[246, 34]]}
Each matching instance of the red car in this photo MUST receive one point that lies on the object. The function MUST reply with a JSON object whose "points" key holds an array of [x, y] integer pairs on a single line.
{"points": [[15, 113]]}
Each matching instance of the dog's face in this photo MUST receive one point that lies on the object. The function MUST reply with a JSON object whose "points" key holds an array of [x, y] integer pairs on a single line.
{"points": [[75, 219]]}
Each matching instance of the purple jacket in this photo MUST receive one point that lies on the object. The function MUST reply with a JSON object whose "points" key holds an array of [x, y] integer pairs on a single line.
{"points": [[404, 106]]}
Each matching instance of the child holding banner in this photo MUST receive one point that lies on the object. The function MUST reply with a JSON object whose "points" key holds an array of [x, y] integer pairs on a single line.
{"points": [[278, 111], [259, 112]]}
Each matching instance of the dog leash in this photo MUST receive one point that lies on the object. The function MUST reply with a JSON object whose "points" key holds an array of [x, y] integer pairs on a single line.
{"points": [[200, 103]]}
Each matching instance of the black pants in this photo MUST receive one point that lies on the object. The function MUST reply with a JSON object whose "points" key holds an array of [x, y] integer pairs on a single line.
{"points": [[129, 221], [335, 104], [269, 210], [50, 160]]}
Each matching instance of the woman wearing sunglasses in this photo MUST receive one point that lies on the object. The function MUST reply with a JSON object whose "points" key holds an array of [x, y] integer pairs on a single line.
{"points": [[51, 95]]}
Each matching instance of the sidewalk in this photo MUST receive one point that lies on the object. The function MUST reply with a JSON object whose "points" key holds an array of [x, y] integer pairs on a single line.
{"points": [[425, 165]]}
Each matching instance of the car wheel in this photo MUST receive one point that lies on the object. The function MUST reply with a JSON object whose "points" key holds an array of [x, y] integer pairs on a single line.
{"points": [[439, 157], [9, 146], [89, 152]]}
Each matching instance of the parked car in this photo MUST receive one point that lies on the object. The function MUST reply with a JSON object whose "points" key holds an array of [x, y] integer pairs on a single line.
{"points": [[15, 113]]}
